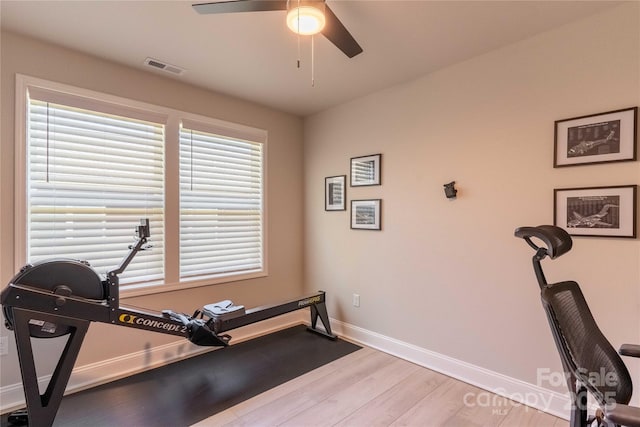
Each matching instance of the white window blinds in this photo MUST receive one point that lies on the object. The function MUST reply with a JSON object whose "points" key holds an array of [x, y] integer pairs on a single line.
{"points": [[221, 205], [91, 177]]}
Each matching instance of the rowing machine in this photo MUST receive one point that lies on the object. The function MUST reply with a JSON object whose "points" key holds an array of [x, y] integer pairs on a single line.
{"points": [[62, 297]]}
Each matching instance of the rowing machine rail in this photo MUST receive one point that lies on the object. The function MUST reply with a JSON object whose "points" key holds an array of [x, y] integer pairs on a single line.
{"points": [[45, 300]]}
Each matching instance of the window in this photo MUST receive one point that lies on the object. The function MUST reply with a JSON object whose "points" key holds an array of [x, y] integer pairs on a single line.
{"points": [[90, 165], [220, 204], [90, 177]]}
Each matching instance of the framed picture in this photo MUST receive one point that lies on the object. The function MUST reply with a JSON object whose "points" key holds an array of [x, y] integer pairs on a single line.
{"points": [[365, 214], [365, 170], [597, 211], [335, 192], [597, 138]]}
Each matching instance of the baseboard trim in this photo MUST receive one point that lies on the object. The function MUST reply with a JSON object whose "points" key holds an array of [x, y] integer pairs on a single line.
{"points": [[545, 400], [91, 375], [94, 374]]}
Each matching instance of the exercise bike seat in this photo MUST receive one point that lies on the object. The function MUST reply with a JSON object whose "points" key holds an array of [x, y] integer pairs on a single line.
{"points": [[223, 310]]}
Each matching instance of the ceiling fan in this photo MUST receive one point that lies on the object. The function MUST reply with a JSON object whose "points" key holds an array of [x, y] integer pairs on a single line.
{"points": [[303, 17]]}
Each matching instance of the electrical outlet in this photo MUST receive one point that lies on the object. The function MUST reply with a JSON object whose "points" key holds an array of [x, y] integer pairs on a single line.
{"points": [[356, 300], [4, 346]]}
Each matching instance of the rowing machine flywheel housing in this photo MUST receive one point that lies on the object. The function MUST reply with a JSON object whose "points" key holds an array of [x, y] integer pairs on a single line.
{"points": [[65, 277]]}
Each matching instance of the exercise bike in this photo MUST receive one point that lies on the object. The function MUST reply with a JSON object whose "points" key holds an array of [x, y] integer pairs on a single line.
{"points": [[590, 363], [61, 297]]}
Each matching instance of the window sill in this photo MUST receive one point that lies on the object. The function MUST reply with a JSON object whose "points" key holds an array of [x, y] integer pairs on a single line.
{"points": [[150, 288]]}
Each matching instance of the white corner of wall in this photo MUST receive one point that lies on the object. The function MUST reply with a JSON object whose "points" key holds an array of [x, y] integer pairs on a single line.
{"points": [[545, 400]]}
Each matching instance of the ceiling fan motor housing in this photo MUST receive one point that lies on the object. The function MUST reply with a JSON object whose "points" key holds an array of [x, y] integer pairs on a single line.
{"points": [[333, 29]]}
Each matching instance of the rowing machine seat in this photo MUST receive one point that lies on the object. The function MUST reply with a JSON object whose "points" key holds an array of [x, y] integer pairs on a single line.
{"points": [[223, 310]]}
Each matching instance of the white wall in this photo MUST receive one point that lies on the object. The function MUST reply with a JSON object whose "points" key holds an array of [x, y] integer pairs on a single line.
{"points": [[283, 193], [448, 276]]}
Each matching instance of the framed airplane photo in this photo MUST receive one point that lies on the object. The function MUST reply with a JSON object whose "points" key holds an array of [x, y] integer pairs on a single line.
{"points": [[596, 138], [597, 211]]}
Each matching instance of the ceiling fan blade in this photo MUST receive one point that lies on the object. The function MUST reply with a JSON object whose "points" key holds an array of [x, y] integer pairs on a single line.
{"points": [[338, 34], [240, 6]]}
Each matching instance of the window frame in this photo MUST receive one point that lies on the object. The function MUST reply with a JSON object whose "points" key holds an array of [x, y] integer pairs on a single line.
{"points": [[172, 120]]}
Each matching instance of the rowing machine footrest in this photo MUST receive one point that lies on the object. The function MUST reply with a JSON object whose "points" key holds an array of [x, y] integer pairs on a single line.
{"points": [[200, 334], [223, 310]]}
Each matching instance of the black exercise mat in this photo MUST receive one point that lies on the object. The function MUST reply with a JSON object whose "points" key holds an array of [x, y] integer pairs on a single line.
{"points": [[185, 392]]}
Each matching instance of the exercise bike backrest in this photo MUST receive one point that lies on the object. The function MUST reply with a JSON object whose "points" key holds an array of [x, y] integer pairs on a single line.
{"points": [[583, 349], [557, 242]]}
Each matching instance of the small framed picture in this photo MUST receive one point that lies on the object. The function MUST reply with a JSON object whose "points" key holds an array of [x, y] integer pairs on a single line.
{"points": [[365, 170], [597, 138], [335, 192], [597, 211], [365, 214]]}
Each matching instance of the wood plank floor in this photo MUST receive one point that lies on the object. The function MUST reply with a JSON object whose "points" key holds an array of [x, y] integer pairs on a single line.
{"points": [[371, 388]]}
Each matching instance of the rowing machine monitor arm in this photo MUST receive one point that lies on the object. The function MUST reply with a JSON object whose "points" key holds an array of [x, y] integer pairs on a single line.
{"points": [[112, 282], [584, 351], [142, 234]]}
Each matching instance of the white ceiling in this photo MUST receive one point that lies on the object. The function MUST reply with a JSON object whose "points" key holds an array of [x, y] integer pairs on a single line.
{"points": [[253, 55]]}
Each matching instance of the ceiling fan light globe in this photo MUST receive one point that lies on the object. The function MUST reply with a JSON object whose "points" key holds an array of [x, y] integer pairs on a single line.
{"points": [[305, 20]]}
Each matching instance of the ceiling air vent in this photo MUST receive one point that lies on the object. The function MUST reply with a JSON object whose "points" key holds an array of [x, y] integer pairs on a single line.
{"points": [[159, 65]]}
